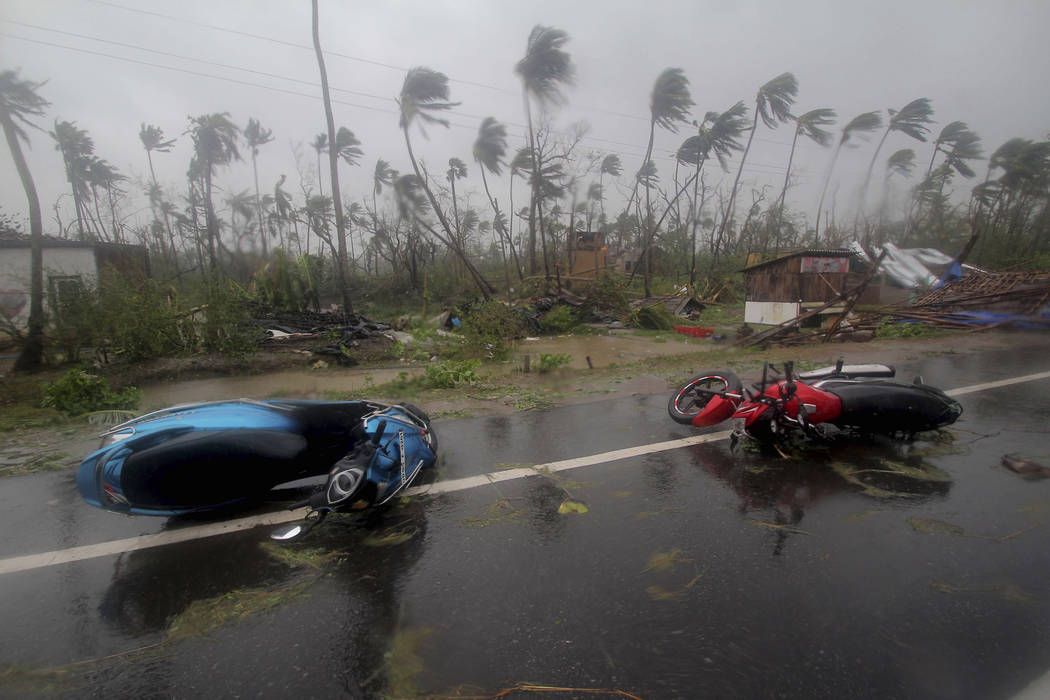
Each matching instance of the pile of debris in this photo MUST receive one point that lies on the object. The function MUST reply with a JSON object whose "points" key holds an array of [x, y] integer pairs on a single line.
{"points": [[339, 331]]}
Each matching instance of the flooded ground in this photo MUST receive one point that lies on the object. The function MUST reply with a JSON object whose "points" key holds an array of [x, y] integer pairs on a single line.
{"points": [[604, 351], [298, 383]]}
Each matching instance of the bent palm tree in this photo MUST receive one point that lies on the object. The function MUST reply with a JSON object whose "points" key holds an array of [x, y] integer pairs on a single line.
{"points": [[77, 150], [811, 126], [716, 135], [490, 147], [669, 104], [152, 138], [544, 70], [773, 104], [19, 102], [862, 124], [424, 95], [910, 120], [214, 144]]}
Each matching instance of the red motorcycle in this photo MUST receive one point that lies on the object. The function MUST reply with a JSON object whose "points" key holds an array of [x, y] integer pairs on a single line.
{"points": [[865, 398]]}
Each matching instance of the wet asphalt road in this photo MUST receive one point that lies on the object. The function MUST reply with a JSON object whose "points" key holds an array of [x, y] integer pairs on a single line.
{"points": [[695, 572]]}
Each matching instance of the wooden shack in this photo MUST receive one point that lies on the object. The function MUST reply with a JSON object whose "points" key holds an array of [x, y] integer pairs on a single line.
{"points": [[779, 289], [587, 253]]}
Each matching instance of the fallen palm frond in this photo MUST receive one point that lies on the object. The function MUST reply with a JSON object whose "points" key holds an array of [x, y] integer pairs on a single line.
{"points": [[665, 561], [204, 616], [775, 526]]}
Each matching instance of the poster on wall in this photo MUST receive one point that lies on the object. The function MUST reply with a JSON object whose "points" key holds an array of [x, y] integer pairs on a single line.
{"points": [[825, 265]]}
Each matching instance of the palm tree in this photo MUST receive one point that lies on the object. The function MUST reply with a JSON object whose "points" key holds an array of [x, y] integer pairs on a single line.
{"points": [[910, 120], [320, 145], [19, 102], [669, 104], [544, 70], [864, 123], [152, 138], [610, 166], [241, 204], [901, 163], [490, 147], [214, 144], [773, 104], [255, 135], [77, 150], [716, 135], [457, 170], [811, 126], [424, 94], [101, 174], [333, 167]]}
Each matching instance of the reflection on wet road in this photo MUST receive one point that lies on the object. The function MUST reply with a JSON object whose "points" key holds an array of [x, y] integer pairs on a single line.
{"points": [[870, 569]]}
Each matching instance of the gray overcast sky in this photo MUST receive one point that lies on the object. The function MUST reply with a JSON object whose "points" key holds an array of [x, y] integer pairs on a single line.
{"points": [[985, 63]]}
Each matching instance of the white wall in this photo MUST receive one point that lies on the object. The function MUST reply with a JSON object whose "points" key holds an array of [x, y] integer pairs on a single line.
{"points": [[14, 275]]}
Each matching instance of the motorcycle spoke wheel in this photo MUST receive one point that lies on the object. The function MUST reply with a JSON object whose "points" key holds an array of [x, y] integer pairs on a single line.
{"points": [[693, 396]]}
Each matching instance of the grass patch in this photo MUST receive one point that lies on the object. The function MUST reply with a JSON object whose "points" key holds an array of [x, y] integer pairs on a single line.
{"points": [[205, 616], [502, 511], [298, 556], [403, 663]]}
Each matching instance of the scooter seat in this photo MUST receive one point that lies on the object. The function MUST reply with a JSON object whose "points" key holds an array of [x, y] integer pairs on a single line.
{"points": [[212, 467]]}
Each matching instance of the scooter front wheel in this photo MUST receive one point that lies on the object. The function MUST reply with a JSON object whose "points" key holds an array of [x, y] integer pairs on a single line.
{"points": [[691, 398]]}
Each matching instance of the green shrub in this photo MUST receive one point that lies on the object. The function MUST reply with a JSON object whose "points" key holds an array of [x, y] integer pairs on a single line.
{"points": [[549, 363], [451, 373], [227, 327], [654, 317], [79, 392], [139, 319], [608, 296], [560, 319], [489, 327]]}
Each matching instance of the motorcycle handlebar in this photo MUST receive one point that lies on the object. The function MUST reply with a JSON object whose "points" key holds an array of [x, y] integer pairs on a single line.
{"points": [[380, 429]]}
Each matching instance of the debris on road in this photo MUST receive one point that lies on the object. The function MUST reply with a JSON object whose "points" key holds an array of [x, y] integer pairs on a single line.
{"points": [[1025, 467]]}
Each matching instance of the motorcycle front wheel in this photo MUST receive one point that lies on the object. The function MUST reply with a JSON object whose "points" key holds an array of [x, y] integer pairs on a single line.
{"points": [[691, 398]]}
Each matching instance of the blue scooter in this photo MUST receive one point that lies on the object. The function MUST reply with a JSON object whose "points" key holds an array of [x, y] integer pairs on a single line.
{"points": [[208, 456]]}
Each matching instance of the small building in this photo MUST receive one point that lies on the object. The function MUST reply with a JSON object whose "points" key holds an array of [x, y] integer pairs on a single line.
{"points": [[792, 283], [587, 253], [69, 266]]}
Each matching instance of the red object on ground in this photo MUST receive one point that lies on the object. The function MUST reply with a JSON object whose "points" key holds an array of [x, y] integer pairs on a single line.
{"points": [[694, 331]]}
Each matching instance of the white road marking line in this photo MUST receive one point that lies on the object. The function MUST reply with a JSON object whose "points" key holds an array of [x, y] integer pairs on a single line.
{"points": [[90, 551], [995, 385]]}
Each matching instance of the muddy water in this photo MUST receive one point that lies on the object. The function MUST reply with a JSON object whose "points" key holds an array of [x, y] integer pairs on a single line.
{"points": [[606, 350], [603, 351], [298, 383]]}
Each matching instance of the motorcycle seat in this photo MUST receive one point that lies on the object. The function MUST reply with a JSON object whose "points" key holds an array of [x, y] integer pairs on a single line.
{"points": [[889, 405], [869, 370]]}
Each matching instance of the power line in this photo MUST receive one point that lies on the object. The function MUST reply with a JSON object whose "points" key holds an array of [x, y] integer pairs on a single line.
{"points": [[381, 64], [757, 168]]}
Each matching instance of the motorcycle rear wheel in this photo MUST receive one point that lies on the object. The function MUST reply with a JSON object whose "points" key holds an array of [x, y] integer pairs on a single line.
{"points": [[685, 403]]}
